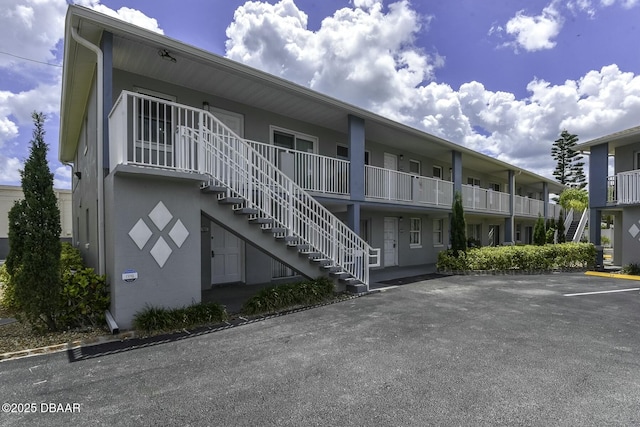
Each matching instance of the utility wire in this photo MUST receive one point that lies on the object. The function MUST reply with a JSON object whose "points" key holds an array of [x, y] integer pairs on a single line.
{"points": [[32, 60]]}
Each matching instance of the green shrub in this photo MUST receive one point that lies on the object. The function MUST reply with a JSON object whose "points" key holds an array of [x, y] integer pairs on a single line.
{"points": [[539, 232], [85, 297], [280, 297], [524, 258], [8, 300], [632, 269], [163, 319]]}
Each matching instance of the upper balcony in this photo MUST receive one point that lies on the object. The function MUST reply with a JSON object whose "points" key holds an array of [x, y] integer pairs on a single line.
{"points": [[144, 132], [624, 188]]}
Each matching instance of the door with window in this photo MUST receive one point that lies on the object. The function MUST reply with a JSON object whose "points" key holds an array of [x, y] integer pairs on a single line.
{"points": [[390, 241]]}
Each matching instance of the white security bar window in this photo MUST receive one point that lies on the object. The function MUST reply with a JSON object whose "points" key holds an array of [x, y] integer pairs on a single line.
{"points": [[415, 233], [438, 232]]}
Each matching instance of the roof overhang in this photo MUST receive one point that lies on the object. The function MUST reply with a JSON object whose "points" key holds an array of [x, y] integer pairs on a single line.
{"points": [[135, 50], [614, 140]]}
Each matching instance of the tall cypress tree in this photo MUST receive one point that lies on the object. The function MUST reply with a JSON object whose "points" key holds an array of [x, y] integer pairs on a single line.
{"points": [[458, 225], [569, 169], [34, 237]]}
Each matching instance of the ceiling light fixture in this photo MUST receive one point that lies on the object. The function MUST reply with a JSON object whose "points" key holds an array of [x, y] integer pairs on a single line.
{"points": [[164, 54]]}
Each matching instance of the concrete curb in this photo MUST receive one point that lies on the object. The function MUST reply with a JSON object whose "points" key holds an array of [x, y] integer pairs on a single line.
{"points": [[612, 275]]}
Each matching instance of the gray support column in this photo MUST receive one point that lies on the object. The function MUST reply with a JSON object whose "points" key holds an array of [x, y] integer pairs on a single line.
{"points": [[353, 217], [598, 172], [106, 45], [356, 157], [456, 171], [545, 198], [509, 222]]}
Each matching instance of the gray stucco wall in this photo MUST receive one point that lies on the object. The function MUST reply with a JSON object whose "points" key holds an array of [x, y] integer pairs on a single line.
{"points": [[630, 234], [138, 199], [624, 157], [85, 189]]}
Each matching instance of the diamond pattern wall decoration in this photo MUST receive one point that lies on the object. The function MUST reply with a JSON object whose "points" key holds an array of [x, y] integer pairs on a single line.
{"points": [[140, 233], [179, 233], [161, 251], [160, 216]]}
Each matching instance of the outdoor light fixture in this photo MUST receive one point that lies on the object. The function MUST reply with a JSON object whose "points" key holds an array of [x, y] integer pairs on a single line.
{"points": [[164, 54], [78, 174]]}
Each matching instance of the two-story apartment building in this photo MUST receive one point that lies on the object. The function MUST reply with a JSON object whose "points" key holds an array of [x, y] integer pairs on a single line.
{"points": [[617, 195], [192, 170]]}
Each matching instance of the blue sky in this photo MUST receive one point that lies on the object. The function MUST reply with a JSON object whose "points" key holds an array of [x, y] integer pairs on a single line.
{"points": [[504, 77]]}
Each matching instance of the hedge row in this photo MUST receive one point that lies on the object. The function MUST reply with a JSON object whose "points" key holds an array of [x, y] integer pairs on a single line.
{"points": [[524, 258], [167, 319], [280, 297]]}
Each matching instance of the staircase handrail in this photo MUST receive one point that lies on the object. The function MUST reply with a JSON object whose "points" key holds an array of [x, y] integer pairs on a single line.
{"points": [[581, 226], [235, 164]]}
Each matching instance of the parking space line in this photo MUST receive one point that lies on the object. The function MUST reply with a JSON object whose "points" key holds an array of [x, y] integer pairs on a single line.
{"points": [[602, 292]]}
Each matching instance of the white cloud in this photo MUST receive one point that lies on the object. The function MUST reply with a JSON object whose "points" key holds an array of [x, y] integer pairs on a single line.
{"points": [[534, 33], [126, 14], [62, 177], [352, 52], [33, 29], [367, 57], [10, 170]]}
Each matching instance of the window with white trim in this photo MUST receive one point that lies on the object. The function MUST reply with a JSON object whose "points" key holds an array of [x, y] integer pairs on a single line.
{"points": [[415, 232], [415, 167], [494, 186], [285, 138], [473, 181], [438, 232]]}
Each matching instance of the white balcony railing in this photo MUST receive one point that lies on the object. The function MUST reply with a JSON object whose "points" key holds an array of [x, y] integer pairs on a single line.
{"points": [[386, 184], [310, 171], [476, 198], [624, 188], [529, 207]]}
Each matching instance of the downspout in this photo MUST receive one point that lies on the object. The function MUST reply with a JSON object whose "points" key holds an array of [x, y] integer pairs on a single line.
{"points": [[100, 129]]}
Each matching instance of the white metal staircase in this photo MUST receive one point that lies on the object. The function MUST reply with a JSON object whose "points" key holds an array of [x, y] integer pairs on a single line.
{"points": [[263, 201]]}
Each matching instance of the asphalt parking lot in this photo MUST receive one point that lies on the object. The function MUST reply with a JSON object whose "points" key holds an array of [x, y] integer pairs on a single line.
{"points": [[489, 350]]}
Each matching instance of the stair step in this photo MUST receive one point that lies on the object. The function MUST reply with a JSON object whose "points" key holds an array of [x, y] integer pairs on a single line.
{"points": [[214, 189], [245, 211], [339, 274], [331, 268], [231, 201], [311, 254], [303, 247], [350, 280], [261, 221], [274, 230], [288, 239], [321, 261], [356, 288]]}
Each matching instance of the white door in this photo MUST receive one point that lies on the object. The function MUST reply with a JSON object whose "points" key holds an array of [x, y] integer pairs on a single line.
{"points": [[226, 256], [390, 241], [391, 163]]}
